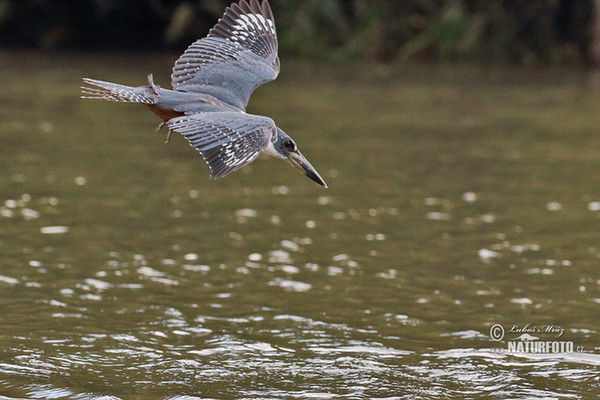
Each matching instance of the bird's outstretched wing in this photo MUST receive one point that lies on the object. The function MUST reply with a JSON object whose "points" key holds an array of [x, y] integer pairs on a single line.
{"points": [[238, 55], [226, 140]]}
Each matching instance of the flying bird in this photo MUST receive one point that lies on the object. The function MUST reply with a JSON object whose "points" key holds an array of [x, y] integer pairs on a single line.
{"points": [[212, 83]]}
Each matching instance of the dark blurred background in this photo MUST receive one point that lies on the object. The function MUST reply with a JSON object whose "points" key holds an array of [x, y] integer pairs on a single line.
{"points": [[522, 32]]}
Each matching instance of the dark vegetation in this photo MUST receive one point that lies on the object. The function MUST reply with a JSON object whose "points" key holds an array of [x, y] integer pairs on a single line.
{"points": [[548, 32]]}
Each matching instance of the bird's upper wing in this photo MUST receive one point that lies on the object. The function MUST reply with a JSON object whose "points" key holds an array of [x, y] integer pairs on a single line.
{"points": [[238, 55], [227, 140]]}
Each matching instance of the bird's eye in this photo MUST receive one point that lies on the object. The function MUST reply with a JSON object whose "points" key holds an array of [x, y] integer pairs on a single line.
{"points": [[289, 145]]}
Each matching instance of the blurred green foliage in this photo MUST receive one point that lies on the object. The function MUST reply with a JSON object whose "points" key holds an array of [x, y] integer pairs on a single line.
{"points": [[494, 31]]}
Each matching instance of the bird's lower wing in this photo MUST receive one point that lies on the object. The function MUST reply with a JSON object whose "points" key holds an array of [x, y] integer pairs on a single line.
{"points": [[226, 140]]}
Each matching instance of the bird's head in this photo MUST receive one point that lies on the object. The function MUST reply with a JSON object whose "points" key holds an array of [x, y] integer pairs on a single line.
{"points": [[285, 147]]}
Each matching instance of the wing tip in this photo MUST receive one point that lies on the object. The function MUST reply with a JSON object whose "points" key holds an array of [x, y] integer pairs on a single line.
{"points": [[225, 27]]}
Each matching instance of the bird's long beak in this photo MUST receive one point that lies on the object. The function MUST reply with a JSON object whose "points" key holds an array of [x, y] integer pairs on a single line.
{"points": [[297, 160]]}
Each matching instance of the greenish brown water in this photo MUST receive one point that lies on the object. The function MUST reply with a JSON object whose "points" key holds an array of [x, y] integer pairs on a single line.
{"points": [[459, 199]]}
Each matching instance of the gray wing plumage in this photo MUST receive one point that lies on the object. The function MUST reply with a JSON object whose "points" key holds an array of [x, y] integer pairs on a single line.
{"points": [[238, 55], [226, 140]]}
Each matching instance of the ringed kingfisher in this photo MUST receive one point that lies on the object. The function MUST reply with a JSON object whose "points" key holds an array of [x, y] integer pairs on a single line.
{"points": [[212, 83]]}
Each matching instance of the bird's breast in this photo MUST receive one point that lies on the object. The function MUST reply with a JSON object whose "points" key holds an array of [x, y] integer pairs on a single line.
{"points": [[164, 113]]}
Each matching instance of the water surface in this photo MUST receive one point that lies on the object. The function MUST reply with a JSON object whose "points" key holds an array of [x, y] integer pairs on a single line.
{"points": [[459, 199]]}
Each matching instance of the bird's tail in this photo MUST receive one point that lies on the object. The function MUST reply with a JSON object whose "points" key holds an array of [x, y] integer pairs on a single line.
{"points": [[115, 92]]}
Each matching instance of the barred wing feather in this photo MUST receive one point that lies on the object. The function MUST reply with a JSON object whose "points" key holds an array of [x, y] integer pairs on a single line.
{"points": [[226, 140]]}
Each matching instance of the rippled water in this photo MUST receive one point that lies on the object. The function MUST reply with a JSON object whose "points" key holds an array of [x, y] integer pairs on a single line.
{"points": [[459, 199]]}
